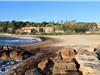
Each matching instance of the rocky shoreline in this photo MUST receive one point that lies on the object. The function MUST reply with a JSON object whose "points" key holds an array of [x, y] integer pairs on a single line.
{"points": [[49, 63], [49, 59], [58, 61]]}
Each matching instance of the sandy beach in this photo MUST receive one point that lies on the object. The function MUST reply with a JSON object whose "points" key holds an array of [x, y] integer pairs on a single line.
{"points": [[72, 40], [80, 40], [62, 40]]}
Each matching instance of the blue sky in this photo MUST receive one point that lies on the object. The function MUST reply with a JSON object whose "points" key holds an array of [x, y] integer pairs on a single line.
{"points": [[49, 0], [39, 11]]}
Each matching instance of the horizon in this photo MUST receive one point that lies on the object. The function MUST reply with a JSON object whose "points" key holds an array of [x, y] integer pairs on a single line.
{"points": [[39, 11], [49, 21]]}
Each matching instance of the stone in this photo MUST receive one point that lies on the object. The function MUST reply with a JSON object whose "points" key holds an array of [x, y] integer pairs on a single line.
{"points": [[97, 51], [46, 66], [42, 64], [48, 70], [65, 63], [11, 72], [90, 49], [36, 50], [57, 58], [67, 53], [62, 67], [89, 64], [40, 55], [34, 71]]}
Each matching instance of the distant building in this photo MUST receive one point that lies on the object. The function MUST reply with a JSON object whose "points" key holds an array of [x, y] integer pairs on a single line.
{"points": [[25, 29], [48, 29], [98, 25]]}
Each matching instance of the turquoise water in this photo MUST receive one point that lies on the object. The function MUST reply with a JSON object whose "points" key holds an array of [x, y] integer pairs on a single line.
{"points": [[13, 41]]}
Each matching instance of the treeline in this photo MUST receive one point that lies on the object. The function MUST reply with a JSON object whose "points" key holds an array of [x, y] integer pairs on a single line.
{"points": [[11, 27], [68, 26], [80, 27]]}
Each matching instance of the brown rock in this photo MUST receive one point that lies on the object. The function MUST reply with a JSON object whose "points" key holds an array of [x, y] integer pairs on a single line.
{"points": [[97, 51], [42, 64], [40, 56], [11, 72], [34, 71], [62, 67], [67, 53], [64, 62]]}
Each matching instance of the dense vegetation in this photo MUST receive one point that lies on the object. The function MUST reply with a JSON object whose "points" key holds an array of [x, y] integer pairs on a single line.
{"points": [[68, 26]]}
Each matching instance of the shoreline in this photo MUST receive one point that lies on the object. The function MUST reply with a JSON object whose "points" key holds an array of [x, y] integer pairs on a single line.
{"points": [[46, 42], [52, 46], [61, 40]]}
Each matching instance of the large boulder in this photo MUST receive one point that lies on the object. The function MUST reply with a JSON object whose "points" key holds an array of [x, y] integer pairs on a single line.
{"points": [[64, 62], [46, 66], [67, 53], [63, 67]]}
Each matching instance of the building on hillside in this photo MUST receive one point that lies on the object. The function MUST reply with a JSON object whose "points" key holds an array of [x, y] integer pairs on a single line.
{"points": [[98, 25], [49, 29], [24, 29]]}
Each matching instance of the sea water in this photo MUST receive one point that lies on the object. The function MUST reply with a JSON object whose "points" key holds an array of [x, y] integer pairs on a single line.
{"points": [[14, 41]]}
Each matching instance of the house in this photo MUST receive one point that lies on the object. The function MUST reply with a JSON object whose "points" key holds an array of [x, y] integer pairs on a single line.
{"points": [[48, 29], [24, 29], [98, 25]]}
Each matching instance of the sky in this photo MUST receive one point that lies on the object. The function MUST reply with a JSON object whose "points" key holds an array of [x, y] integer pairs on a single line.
{"points": [[39, 11], [49, 0]]}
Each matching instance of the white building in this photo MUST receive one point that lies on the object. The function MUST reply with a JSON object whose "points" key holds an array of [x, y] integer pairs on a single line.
{"points": [[48, 29], [98, 25]]}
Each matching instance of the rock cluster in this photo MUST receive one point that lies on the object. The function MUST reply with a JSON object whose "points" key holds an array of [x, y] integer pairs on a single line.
{"points": [[89, 63], [63, 63]]}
